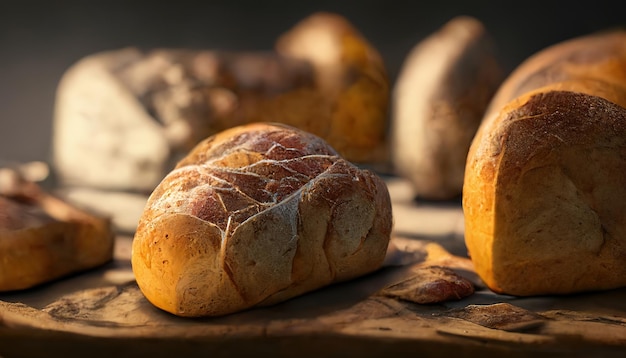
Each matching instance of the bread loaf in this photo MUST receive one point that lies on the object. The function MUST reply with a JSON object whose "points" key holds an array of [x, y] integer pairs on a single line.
{"points": [[43, 238], [351, 74], [255, 215], [139, 112], [439, 99], [124, 117], [544, 195]]}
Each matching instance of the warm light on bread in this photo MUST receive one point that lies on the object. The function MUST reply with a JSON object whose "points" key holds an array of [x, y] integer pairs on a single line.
{"points": [[544, 194], [256, 215]]}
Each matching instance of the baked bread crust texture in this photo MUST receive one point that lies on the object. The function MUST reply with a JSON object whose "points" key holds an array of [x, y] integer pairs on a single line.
{"points": [[256, 215], [544, 194], [44, 238]]}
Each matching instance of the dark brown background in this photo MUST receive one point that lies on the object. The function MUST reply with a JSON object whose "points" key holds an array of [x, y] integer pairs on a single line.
{"points": [[39, 40]]}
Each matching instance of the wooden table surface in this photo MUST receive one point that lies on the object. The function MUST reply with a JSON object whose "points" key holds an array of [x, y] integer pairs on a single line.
{"points": [[101, 313]]}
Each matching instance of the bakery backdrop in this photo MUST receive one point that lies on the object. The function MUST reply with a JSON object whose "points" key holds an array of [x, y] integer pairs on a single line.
{"points": [[39, 40]]}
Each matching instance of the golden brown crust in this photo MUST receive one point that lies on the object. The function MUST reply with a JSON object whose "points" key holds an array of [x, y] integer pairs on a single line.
{"points": [[350, 71], [544, 195], [43, 238], [595, 57], [256, 215]]}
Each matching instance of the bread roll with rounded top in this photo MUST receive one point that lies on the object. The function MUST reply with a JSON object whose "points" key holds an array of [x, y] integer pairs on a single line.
{"points": [[256, 215]]}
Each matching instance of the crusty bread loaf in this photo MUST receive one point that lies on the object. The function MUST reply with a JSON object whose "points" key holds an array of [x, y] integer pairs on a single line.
{"points": [[43, 238], [544, 195], [255, 215]]}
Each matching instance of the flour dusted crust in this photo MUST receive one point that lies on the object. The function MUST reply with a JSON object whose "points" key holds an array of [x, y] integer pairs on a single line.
{"points": [[256, 215], [544, 195]]}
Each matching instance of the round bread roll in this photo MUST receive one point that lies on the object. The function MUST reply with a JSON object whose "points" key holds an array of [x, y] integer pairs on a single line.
{"points": [[544, 195], [255, 215]]}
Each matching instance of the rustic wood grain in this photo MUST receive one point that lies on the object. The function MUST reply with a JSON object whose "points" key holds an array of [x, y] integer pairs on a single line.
{"points": [[102, 313]]}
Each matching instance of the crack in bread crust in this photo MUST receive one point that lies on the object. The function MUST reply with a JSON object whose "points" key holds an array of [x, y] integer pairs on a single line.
{"points": [[256, 215]]}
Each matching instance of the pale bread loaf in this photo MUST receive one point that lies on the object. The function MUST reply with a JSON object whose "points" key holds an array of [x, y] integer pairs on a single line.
{"points": [[438, 101]]}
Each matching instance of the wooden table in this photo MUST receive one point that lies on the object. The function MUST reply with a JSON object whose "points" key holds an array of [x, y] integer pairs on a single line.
{"points": [[101, 313]]}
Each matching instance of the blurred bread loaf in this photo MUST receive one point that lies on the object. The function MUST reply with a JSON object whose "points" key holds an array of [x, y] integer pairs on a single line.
{"points": [[351, 74], [544, 196], [43, 238], [255, 215], [123, 118], [442, 91]]}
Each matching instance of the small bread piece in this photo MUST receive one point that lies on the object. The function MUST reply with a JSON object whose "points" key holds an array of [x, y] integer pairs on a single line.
{"points": [[443, 89], [544, 196], [438, 276], [255, 215], [43, 238]]}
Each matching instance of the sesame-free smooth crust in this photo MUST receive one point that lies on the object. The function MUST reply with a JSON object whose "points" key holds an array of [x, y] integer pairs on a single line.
{"points": [[544, 195]]}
